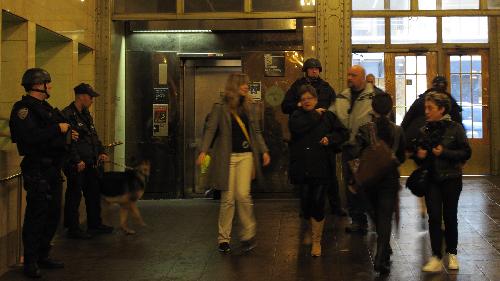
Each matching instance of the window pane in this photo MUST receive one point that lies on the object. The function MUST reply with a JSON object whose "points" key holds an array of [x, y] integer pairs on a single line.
{"points": [[465, 29], [212, 6], [421, 65], [400, 4], [411, 89], [400, 65], [494, 4], [455, 64], [467, 120], [150, 6], [477, 121], [368, 31], [455, 86], [413, 30], [421, 84], [411, 65], [466, 91], [477, 89], [367, 5], [279, 5], [427, 4], [476, 64], [466, 64], [460, 4]]}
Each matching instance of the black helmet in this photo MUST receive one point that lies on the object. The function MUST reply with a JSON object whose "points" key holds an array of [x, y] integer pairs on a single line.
{"points": [[439, 79], [35, 76], [310, 63]]}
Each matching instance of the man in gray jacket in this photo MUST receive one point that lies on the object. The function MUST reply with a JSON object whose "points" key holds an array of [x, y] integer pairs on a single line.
{"points": [[353, 108]]}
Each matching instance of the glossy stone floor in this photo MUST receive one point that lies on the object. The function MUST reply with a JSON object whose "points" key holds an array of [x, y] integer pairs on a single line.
{"points": [[180, 244]]}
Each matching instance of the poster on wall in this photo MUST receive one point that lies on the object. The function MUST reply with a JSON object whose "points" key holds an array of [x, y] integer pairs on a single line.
{"points": [[160, 120], [255, 90], [274, 65]]}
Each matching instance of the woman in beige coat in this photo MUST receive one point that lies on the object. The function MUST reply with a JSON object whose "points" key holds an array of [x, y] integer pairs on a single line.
{"points": [[236, 156]]}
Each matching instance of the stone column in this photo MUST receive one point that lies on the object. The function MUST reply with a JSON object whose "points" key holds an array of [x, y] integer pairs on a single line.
{"points": [[333, 22]]}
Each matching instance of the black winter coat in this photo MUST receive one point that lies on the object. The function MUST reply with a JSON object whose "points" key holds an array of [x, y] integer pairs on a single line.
{"points": [[326, 94], [309, 160], [456, 149], [415, 118]]}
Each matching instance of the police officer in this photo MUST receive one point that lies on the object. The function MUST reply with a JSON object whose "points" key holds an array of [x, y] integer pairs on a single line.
{"points": [[82, 169], [42, 137], [326, 96]]}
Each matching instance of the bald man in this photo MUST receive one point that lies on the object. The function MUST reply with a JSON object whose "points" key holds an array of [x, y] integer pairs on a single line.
{"points": [[353, 107]]}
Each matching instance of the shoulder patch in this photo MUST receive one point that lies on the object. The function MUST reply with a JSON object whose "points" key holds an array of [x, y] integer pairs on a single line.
{"points": [[22, 113]]}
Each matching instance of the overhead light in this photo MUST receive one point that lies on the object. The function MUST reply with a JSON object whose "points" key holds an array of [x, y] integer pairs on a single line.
{"points": [[307, 2], [174, 31]]}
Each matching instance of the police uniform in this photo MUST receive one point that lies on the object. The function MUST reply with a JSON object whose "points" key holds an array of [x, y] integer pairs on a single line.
{"points": [[34, 126], [86, 149]]}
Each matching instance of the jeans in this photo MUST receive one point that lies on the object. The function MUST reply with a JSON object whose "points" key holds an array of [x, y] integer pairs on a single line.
{"points": [[238, 195], [442, 204]]}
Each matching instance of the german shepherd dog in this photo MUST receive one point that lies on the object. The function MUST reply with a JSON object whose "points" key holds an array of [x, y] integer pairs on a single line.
{"points": [[124, 189]]}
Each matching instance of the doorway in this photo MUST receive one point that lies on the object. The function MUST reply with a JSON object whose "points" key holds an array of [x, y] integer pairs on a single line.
{"points": [[467, 72], [204, 82]]}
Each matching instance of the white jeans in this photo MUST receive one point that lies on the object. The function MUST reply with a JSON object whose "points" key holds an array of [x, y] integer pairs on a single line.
{"points": [[240, 176]]}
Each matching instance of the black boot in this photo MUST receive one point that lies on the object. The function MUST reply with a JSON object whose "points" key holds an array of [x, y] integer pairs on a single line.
{"points": [[31, 270], [49, 263]]}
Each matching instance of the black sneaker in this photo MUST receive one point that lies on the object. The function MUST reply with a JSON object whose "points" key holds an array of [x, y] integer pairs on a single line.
{"points": [[31, 270], [77, 233], [49, 263], [224, 247], [248, 245], [101, 229]]}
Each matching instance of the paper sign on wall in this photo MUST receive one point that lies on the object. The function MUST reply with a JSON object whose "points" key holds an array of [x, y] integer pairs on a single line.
{"points": [[160, 120]]}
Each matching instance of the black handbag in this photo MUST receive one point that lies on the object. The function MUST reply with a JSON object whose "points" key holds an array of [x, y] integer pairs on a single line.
{"points": [[418, 182]]}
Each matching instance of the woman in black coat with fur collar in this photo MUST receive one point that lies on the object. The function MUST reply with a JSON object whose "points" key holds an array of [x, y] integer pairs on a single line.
{"points": [[314, 132]]}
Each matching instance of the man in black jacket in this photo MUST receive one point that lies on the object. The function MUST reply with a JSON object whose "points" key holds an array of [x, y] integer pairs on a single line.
{"points": [[414, 119], [326, 96], [43, 138], [82, 168]]}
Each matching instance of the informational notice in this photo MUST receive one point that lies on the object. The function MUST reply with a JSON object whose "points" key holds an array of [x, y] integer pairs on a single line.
{"points": [[274, 65], [160, 120]]}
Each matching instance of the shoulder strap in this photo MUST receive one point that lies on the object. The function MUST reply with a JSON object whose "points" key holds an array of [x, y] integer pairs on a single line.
{"points": [[242, 126]]}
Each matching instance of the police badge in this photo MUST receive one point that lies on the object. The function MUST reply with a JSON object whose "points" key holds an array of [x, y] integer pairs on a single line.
{"points": [[22, 113]]}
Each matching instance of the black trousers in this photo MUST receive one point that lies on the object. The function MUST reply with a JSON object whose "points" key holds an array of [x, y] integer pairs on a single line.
{"points": [[356, 204], [383, 200], [43, 184], [88, 182], [442, 204], [312, 200]]}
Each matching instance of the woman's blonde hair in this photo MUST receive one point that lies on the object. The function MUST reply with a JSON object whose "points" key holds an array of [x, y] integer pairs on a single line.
{"points": [[232, 93]]}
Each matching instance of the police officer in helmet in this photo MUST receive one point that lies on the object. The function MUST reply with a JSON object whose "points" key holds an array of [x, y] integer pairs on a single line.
{"points": [[82, 169], [43, 138], [326, 97]]}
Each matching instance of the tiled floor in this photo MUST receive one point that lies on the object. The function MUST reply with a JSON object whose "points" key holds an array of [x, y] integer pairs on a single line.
{"points": [[180, 244]]}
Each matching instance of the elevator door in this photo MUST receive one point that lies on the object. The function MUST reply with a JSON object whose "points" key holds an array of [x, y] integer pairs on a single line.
{"points": [[208, 79]]}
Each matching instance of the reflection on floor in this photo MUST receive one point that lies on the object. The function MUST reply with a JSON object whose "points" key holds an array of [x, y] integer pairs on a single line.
{"points": [[180, 244]]}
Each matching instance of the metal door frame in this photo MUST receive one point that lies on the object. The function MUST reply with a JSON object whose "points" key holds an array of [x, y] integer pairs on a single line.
{"points": [[189, 63]]}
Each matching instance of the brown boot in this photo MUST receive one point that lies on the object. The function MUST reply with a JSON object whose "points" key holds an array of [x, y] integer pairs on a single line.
{"points": [[317, 233], [307, 233]]}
